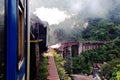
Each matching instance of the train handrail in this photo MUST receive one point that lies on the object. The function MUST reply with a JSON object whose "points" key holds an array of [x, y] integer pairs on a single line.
{"points": [[35, 41]]}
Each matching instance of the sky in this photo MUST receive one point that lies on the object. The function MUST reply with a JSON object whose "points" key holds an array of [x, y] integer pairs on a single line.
{"points": [[48, 10], [1, 7], [1, 13], [69, 14]]}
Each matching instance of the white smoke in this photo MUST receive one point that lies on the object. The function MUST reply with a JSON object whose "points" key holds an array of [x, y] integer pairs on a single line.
{"points": [[51, 15], [94, 8], [79, 10]]}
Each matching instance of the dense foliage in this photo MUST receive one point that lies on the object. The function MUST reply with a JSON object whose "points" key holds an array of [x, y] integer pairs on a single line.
{"points": [[111, 69], [80, 65], [108, 52], [107, 28], [100, 29], [104, 54]]}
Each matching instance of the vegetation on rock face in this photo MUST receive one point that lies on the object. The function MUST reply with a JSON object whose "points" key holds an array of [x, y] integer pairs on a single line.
{"points": [[104, 29], [80, 65], [110, 69], [43, 70], [68, 64], [84, 62], [100, 29], [59, 64]]}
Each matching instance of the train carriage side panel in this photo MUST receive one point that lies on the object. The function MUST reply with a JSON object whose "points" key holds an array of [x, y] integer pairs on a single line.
{"points": [[11, 17]]}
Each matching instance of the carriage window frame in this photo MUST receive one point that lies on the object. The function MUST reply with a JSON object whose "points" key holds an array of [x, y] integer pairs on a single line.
{"points": [[21, 53]]}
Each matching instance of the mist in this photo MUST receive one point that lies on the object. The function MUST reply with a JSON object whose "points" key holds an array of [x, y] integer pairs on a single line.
{"points": [[79, 11], [91, 8]]}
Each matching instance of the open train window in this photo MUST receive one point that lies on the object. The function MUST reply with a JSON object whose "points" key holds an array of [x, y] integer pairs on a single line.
{"points": [[2, 41], [20, 34]]}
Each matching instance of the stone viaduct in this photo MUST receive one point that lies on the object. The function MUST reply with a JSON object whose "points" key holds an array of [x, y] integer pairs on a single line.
{"points": [[76, 48]]}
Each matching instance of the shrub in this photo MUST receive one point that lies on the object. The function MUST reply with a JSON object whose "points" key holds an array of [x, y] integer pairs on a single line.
{"points": [[59, 64], [80, 65], [110, 69], [43, 70]]}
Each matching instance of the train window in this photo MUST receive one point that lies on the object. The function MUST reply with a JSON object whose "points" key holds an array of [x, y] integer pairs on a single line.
{"points": [[2, 41], [20, 34]]}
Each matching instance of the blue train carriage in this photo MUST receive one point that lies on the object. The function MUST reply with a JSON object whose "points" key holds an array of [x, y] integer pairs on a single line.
{"points": [[15, 28]]}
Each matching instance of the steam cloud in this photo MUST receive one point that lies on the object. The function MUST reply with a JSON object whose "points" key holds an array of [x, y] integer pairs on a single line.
{"points": [[55, 16], [80, 11], [97, 8]]}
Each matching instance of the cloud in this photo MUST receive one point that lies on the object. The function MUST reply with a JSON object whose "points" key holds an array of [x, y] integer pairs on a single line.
{"points": [[87, 8], [2, 7], [78, 12], [51, 15]]}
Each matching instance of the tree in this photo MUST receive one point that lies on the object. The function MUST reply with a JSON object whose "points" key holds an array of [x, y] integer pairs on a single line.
{"points": [[80, 65], [101, 29], [110, 68]]}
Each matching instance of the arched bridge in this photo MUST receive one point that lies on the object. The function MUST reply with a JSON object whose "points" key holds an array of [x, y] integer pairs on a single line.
{"points": [[76, 48]]}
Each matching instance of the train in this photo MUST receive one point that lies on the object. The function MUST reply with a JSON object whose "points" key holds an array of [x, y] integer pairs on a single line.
{"points": [[17, 44], [38, 39]]}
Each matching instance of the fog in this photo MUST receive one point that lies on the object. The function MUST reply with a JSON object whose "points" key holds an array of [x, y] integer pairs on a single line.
{"points": [[94, 8], [78, 10]]}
